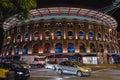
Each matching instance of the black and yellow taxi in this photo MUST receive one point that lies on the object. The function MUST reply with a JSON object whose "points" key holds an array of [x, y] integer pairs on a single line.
{"points": [[13, 70], [3, 72]]}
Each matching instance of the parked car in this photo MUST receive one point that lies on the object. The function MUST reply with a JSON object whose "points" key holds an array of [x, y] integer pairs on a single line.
{"points": [[73, 68], [34, 61], [51, 65], [3, 73], [19, 71], [23, 63]]}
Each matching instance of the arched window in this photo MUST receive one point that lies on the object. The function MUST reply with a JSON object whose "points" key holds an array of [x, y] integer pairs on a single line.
{"points": [[36, 35], [71, 48], [25, 49], [17, 50], [82, 47], [18, 37], [81, 34], [81, 26], [58, 25], [47, 25], [36, 26], [70, 25], [108, 49], [58, 33], [10, 50], [47, 48], [101, 48], [91, 35], [35, 48], [26, 36], [113, 50], [106, 37], [99, 36], [58, 48], [90, 26], [92, 47], [47, 33], [70, 33], [110, 37]]}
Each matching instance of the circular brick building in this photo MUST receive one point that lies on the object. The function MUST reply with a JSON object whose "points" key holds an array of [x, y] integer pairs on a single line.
{"points": [[74, 33]]}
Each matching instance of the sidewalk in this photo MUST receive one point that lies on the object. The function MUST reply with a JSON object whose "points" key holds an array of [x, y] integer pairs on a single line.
{"points": [[95, 68], [107, 66]]}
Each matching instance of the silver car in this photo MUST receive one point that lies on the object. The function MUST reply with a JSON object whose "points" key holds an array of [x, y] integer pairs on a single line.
{"points": [[51, 65], [73, 68]]}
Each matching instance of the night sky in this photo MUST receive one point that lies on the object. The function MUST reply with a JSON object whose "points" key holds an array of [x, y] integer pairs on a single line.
{"points": [[91, 4]]}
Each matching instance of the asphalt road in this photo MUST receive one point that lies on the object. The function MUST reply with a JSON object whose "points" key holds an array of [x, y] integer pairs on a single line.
{"points": [[102, 74]]}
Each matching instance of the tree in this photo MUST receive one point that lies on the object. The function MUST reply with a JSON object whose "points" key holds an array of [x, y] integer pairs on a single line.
{"points": [[9, 8]]}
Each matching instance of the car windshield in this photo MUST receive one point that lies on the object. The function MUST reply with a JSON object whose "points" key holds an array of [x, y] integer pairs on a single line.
{"points": [[70, 64], [17, 65], [78, 63], [67, 63], [10, 65]]}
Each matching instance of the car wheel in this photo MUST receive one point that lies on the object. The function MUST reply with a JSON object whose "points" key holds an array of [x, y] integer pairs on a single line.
{"points": [[60, 71], [79, 73], [54, 68]]}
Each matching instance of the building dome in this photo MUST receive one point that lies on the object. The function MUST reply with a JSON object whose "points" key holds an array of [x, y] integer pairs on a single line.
{"points": [[63, 30]]}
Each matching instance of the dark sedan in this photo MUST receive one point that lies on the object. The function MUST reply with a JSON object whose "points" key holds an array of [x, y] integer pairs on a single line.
{"points": [[19, 71]]}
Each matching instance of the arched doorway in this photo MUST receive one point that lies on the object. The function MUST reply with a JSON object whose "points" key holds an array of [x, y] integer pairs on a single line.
{"points": [[35, 48], [92, 47], [71, 48], [58, 48], [25, 49], [47, 48], [82, 48], [17, 50]]}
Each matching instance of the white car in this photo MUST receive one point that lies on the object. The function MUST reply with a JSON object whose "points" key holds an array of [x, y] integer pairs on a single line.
{"points": [[51, 65]]}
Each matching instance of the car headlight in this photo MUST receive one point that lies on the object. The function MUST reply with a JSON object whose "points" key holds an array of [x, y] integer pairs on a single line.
{"points": [[86, 70], [20, 73], [25, 66]]}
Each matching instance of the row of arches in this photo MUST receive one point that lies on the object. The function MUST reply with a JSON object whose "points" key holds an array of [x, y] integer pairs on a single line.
{"points": [[81, 34], [59, 48]]}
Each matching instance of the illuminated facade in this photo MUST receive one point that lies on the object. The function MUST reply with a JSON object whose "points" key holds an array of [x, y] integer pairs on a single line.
{"points": [[119, 39], [63, 30]]}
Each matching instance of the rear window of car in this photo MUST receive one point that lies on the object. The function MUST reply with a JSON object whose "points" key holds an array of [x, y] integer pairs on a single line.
{"points": [[62, 63], [66, 63]]}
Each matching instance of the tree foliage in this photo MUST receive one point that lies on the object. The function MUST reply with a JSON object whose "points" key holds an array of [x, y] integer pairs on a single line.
{"points": [[9, 8]]}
